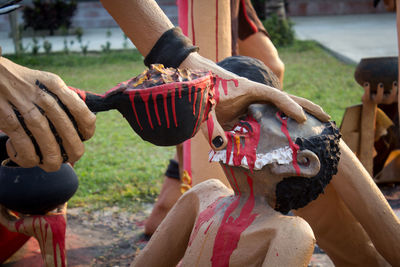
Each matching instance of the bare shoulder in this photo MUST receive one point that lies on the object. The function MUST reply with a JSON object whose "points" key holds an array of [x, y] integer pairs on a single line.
{"points": [[295, 228], [293, 243], [208, 191], [210, 187]]}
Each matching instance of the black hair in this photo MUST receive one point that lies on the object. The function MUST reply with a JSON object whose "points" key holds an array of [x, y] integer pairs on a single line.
{"points": [[252, 69]]}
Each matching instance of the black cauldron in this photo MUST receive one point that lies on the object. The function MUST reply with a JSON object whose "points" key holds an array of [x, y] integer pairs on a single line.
{"points": [[32, 190], [377, 70]]}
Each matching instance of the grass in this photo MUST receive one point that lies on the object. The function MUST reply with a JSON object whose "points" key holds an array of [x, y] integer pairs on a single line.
{"points": [[119, 168], [314, 74]]}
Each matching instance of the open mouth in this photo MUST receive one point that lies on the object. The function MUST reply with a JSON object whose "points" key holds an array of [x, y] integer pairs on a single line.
{"points": [[242, 145], [282, 155]]}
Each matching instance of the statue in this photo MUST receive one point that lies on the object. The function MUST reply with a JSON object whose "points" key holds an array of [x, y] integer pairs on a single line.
{"points": [[214, 225]]}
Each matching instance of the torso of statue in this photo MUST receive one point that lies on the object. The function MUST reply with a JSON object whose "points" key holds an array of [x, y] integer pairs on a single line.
{"points": [[234, 229]]}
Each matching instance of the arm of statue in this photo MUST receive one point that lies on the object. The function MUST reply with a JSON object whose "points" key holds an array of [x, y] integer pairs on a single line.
{"points": [[49, 231], [364, 199], [293, 244], [235, 94], [144, 23], [168, 244], [36, 109]]}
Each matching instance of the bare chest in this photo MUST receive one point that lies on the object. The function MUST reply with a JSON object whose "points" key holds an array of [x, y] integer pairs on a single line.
{"points": [[228, 234]]}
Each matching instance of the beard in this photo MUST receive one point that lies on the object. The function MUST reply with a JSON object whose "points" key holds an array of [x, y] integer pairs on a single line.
{"points": [[297, 192]]}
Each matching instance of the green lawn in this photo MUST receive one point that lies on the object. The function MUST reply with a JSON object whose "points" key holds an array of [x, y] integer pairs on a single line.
{"points": [[120, 168]]}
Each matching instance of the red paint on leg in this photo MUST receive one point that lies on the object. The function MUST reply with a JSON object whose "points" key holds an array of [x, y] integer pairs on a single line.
{"points": [[58, 227]]}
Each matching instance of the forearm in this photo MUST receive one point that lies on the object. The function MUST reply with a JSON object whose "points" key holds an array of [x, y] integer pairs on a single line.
{"points": [[235, 93], [364, 199], [142, 21]]}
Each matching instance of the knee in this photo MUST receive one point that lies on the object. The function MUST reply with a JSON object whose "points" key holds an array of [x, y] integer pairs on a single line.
{"points": [[278, 68]]}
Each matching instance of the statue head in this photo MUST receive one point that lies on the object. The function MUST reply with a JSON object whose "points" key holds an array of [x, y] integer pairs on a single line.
{"points": [[305, 156]]}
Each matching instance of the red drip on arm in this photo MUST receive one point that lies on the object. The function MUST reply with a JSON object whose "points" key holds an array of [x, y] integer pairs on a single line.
{"points": [[224, 83]]}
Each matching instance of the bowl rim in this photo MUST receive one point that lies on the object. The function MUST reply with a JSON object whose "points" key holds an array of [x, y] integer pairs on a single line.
{"points": [[173, 85]]}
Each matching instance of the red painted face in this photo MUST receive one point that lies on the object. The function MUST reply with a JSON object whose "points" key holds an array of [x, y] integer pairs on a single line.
{"points": [[265, 136], [242, 143]]}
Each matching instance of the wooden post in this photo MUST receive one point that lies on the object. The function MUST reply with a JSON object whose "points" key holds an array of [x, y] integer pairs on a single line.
{"points": [[15, 31], [368, 118]]}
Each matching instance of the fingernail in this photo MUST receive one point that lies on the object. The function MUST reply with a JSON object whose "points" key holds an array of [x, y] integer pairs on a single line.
{"points": [[218, 141]]}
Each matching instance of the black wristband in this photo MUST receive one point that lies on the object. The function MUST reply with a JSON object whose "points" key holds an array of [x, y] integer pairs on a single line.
{"points": [[173, 170], [171, 49]]}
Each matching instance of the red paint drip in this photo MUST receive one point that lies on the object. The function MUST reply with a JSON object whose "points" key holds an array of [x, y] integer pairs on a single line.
{"points": [[292, 145], [220, 82], [166, 107], [132, 99], [210, 127], [192, 17], [229, 231], [198, 115], [156, 108], [235, 189], [190, 93], [234, 179], [173, 107], [58, 226], [180, 90], [248, 147], [18, 224], [194, 101], [204, 217], [145, 98]]}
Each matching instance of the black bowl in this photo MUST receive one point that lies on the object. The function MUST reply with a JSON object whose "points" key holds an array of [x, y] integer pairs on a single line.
{"points": [[34, 191], [377, 70], [164, 115]]}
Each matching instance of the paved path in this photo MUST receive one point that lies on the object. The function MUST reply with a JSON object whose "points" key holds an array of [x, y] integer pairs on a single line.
{"points": [[351, 37], [94, 38]]}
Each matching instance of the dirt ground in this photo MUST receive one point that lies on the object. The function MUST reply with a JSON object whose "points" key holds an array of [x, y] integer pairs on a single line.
{"points": [[108, 237], [111, 237]]}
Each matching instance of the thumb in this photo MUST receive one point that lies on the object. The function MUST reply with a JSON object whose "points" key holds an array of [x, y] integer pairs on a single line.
{"points": [[214, 132]]}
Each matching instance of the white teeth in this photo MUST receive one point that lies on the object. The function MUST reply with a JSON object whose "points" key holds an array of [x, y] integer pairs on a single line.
{"points": [[281, 155], [240, 129]]}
